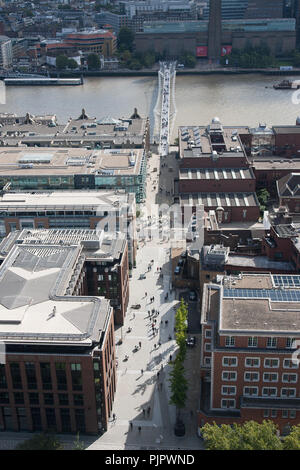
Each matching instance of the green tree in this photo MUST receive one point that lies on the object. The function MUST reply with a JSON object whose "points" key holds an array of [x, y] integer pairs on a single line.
{"points": [[78, 444], [61, 62], [72, 64], [125, 39], [93, 62], [292, 441], [263, 196], [178, 386], [181, 329], [41, 442], [248, 436]]}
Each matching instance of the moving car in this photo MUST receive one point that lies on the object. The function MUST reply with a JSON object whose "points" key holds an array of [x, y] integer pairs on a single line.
{"points": [[191, 341], [192, 295]]}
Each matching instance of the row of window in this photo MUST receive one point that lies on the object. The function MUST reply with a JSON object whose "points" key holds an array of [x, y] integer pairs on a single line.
{"points": [[45, 371], [272, 363], [271, 342], [48, 398], [285, 392], [255, 376], [231, 403]]}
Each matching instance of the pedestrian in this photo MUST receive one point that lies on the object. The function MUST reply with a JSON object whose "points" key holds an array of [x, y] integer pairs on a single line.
{"points": [[159, 344], [170, 357], [145, 294], [114, 417], [154, 346], [149, 313], [142, 371], [144, 411], [166, 322], [139, 428], [130, 424], [148, 410], [157, 375], [140, 344]]}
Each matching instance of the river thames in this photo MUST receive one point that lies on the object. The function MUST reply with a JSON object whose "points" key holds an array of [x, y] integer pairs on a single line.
{"points": [[235, 99]]}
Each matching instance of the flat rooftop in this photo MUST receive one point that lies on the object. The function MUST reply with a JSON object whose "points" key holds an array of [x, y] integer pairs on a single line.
{"points": [[215, 173], [33, 304], [96, 244], [274, 163], [197, 141], [18, 161], [219, 199], [79, 200]]}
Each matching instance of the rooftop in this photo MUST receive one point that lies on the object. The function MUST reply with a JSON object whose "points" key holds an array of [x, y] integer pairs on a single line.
{"points": [[68, 161], [219, 199], [46, 314]]}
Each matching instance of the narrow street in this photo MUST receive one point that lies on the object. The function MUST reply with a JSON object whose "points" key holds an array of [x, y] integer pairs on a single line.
{"points": [[143, 394]]}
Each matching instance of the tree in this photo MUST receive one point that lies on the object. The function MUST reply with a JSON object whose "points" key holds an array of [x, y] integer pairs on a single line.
{"points": [[93, 62], [263, 196], [61, 62], [248, 436], [72, 64], [181, 329], [41, 442], [292, 441], [178, 386], [78, 445], [125, 39]]}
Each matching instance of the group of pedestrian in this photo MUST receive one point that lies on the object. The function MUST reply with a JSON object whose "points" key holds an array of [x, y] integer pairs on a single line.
{"points": [[151, 300]]}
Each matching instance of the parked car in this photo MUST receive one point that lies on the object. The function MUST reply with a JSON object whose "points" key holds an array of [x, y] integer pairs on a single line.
{"points": [[136, 306], [183, 254], [192, 295], [191, 341], [177, 270], [180, 262]]}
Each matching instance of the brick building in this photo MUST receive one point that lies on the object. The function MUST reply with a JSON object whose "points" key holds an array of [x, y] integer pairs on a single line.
{"points": [[249, 324], [214, 171], [60, 372], [289, 192]]}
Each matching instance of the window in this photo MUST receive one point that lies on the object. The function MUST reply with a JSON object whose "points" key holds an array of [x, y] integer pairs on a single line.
{"points": [[34, 398], [251, 376], [207, 347], [61, 377], [271, 342], [100, 277], [229, 361], [229, 341], [15, 375], [46, 375], [269, 377], [78, 400], [36, 419], [22, 419], [293, 414], [266, 413], [65, 420], [76, 376], [269, 391], [289, 364], [63, 398], [250, 391], [285, 413], [51, 418], [289, 343], [30, 375], [288, 392], [273, 413], [207, 333], [252, 362], [207, 361], [229, 376], [227, 390], [4, 398], [292, 378], [48, 399], [225, 403], [3, 381], [80, 420], [252, 342], [271, 363], [19, 398]]}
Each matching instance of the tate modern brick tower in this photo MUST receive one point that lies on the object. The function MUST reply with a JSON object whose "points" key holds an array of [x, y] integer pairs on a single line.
{"points": [[215, 30]]}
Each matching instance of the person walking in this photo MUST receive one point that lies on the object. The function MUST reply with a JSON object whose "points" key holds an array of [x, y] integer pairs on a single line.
{"points": [[148, 410], [142, 371], [154, 345], [139, 428], [144, 411], [130, 425], [140, 344], [114, 417], [170, 357]]}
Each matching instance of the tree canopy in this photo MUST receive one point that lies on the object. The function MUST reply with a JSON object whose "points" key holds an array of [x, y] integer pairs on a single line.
{"points": [[125, 39], [93, 62], [41, 442], [248, 436]]}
